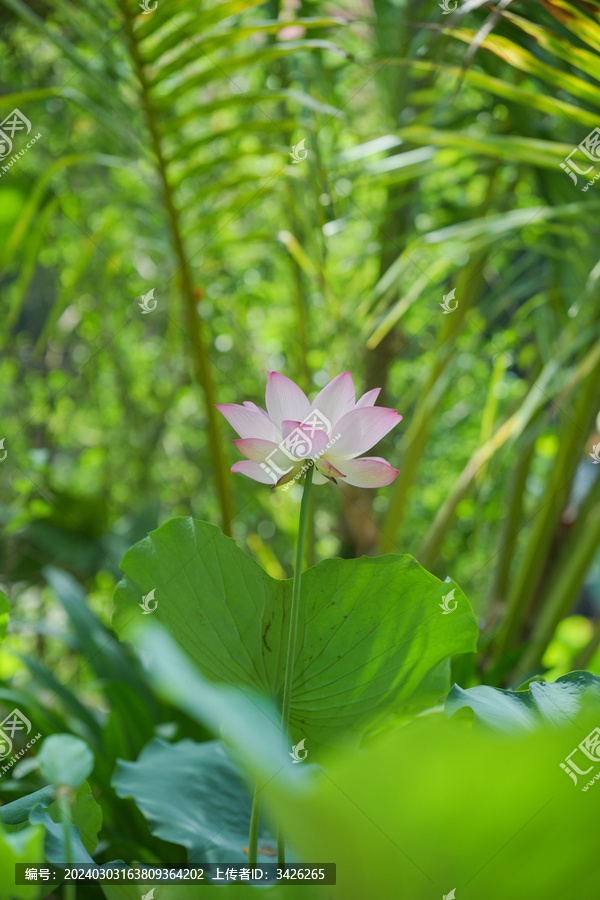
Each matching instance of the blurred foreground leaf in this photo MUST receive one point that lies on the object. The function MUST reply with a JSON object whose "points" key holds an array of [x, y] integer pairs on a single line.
{"points": [[425, 808], [25, 847], [435, 807], [221, 892]]}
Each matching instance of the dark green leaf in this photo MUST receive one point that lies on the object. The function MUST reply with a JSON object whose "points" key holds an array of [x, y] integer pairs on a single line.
{"points": [[191, 794], [557, 702]]}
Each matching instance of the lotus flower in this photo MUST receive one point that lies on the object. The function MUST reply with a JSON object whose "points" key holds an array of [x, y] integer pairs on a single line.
{"points": [[332, 431]]}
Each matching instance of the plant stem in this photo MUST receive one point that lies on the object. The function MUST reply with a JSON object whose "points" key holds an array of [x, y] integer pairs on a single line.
{"points": [[567, 577], [280, 847], [63, 806], [254, 822], [195, 328], [528, 582], [291, 652]]}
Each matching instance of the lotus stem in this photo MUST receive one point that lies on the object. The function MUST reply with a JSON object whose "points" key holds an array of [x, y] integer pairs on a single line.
{"points": [[254, 823], [291, 651], [62, 797]]}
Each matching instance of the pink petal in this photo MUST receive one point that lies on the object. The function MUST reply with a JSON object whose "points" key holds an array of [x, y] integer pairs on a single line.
{"points": [[361, 429], [285, 400], [369, 398], [368, 472], [302, 440], [249, 422], [271, 458], [255, 448], [250, 405], [336, 398], [252, 470]]}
